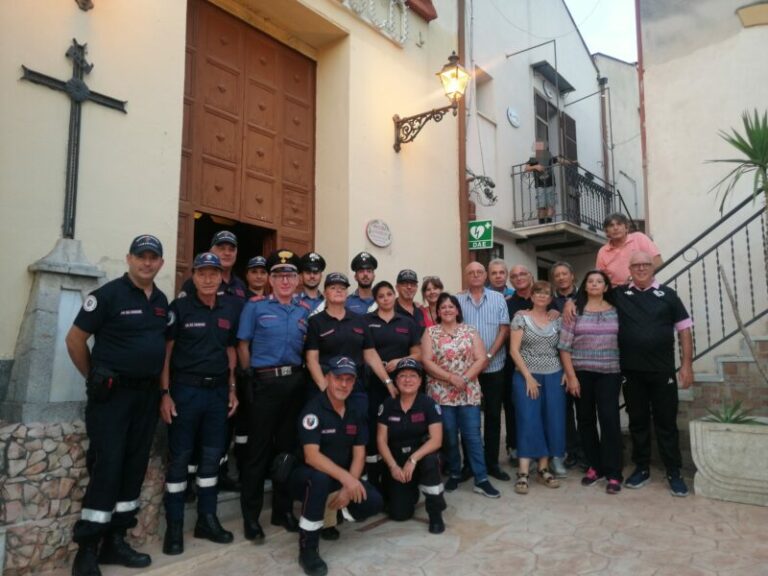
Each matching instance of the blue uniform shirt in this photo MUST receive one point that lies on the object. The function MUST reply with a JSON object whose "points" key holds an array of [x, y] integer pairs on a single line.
{"points": [[128, 328], [358, 305], [308, 301], [276, 332]]}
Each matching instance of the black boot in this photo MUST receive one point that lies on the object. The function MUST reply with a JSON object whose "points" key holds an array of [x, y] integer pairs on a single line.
{"points": [[115, 550], [285, 519], [227, 484], [436, 524], [310, 561], [190, 493], [85, 563], [209, 527], [173, 542], [253, 530]]}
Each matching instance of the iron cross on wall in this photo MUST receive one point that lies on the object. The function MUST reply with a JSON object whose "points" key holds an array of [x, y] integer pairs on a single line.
{"points": [[78, 92]]}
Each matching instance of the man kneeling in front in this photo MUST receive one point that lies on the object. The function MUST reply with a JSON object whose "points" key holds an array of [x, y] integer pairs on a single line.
{"points": [[333, 436]]}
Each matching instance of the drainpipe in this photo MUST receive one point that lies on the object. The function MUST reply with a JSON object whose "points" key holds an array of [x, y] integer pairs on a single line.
{"points": [[602, 81], [643, 140], [463, 186]]}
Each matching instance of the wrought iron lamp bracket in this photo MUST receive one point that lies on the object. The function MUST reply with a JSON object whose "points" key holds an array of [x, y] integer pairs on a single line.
{"points": [[406, 129]]}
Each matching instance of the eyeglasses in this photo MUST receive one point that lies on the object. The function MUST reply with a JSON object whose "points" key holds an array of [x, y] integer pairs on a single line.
{"points": [[286, 277], [641, 265]]}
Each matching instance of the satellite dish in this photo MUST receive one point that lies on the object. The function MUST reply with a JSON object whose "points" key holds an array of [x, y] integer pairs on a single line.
{"points": [[548, 91], [513, 117]]}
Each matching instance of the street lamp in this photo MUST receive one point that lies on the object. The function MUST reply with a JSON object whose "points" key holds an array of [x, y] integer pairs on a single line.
{"points": [[454, 79]]}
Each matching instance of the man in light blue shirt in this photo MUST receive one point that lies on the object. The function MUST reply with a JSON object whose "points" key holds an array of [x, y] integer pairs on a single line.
{"points": [[486, 310]]}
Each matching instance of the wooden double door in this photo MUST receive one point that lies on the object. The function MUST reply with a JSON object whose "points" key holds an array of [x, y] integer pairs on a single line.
{"points": [[248, 145]]}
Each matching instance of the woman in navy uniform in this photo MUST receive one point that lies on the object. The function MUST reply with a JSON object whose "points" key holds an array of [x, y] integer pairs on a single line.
{"points": [[395, 337], [271, 341], [409, 436], [128, 318], [335, 331], [198, 395]]}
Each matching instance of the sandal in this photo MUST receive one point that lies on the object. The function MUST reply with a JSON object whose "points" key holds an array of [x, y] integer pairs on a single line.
{"points": [[545, 477], [521, 485]]}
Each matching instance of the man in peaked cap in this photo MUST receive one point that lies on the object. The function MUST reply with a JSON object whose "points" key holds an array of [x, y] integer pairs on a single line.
{"points": [[364, 266], [311, 268], [270, 347]]}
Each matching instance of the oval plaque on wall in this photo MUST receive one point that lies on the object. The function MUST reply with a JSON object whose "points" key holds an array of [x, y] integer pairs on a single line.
{"points": [[378, 233]]}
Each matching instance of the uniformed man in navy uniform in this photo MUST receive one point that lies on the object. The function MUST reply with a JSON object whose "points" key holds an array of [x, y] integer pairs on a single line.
{"points": [[333, 436], [409, 436], [223, 245], [128, 318], [256, 277], [407, 285], [198, 395], [364, 266], [270, 344], [311, 267]]}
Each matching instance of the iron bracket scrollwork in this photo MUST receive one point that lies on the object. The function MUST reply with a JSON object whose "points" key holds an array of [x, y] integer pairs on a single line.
{"points": [[406, 129]]}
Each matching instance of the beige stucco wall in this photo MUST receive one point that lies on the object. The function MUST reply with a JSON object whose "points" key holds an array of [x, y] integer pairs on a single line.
{"points": [[129, 164], [698, 80], [129, 173]]}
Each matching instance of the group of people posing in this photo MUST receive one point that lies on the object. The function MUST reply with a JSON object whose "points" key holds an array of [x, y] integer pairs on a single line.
{"points": [[354, 404]]}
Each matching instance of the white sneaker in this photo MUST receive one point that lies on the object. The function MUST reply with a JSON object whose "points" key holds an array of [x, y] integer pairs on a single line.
{"points": [[557, 466]]}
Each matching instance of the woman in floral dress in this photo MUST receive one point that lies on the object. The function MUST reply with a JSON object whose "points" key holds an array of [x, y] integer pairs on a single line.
{"points": [[453, 356]]}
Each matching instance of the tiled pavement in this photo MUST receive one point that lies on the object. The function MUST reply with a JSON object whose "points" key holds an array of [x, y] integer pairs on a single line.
{"points": [[570, 530]]}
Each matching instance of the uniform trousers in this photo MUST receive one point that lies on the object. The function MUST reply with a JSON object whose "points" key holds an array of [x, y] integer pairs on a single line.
{"points": [[654, 393], [600, 396], [426, 478], [492, 386], [120, 431], [272, 417], [374, 467], [540, 421], [312, 487], [200, 425]]}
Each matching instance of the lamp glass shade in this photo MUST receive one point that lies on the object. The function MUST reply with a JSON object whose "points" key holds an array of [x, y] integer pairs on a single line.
{"points": [[454, 78]]}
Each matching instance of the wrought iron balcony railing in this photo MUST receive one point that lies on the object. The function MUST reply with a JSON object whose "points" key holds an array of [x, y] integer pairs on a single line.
{"points": [[580, 197]]}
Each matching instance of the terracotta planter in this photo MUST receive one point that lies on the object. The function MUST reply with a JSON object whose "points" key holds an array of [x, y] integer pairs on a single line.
{"points": [[731, 461]]}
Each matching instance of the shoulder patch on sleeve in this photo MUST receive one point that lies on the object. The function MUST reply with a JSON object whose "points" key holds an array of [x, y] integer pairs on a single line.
{"points": [[171, 317], [182, 294], [309, 422], [381, 409], [90, 303], [437, 409]]}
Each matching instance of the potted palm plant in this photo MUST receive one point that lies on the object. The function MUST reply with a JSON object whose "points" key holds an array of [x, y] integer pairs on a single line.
{"points": [[730, 447]]}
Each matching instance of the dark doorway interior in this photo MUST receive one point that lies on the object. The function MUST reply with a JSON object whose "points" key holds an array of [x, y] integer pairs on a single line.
{"points": [[251, 239]]}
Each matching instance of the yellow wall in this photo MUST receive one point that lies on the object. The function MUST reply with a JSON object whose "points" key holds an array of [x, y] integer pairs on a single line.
{"points": [[129, 164], [129, 173]]}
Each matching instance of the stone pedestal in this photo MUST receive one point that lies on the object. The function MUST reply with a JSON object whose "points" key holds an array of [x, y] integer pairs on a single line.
{"points": [[44, 384], [731, 461]]}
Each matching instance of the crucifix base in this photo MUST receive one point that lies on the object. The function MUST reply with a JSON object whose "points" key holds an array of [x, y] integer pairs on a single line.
{"points": [[44, 384]]}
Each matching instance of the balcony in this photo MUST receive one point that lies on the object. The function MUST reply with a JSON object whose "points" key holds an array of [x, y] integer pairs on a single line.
{"points": [[582, 201]]}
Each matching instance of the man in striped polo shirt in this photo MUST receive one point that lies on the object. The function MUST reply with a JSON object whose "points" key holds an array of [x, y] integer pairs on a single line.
{"points": [[486, 310]]}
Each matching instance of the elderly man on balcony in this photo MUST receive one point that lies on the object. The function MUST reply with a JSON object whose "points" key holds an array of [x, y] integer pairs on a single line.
{"points": [[613, 258]]}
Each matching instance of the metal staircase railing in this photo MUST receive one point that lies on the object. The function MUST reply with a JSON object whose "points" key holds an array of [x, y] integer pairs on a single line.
{"points": [[737, 244]]}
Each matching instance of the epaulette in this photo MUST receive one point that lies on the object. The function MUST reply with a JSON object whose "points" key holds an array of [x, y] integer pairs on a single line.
{"points": [[302, 303]]}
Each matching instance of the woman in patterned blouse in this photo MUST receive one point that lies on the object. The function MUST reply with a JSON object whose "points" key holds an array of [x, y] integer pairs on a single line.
{"points": [[537, 389], [453, 355], [589, 350]]}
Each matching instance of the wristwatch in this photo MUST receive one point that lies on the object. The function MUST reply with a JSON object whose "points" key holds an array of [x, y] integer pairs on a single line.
{"points": [[413, 460], [388, 381], [164, 391], [489, 355]]}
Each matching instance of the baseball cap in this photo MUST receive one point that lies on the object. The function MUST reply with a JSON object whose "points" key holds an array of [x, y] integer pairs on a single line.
{"points": [[339, 365], [224, 236], [207, 260], [407, 275], [336, 278], [144, 243], [408, 364], [257, 262]]}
